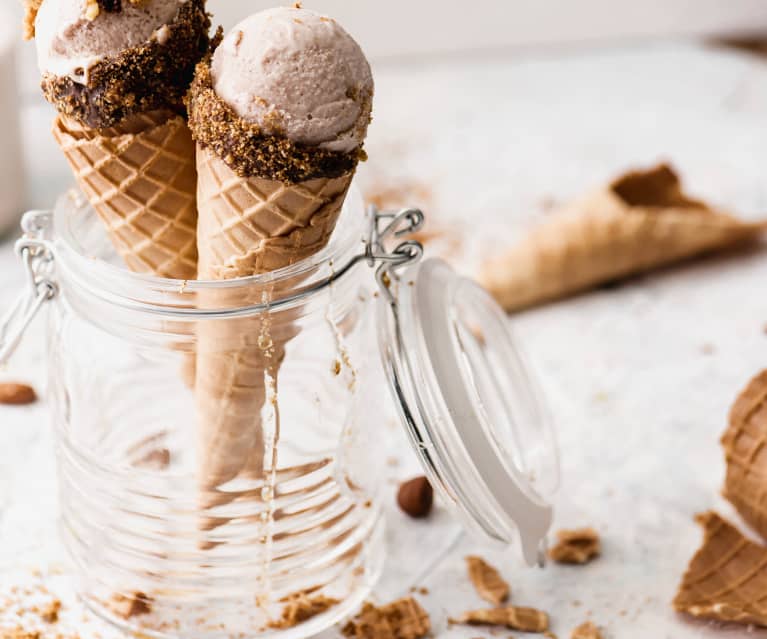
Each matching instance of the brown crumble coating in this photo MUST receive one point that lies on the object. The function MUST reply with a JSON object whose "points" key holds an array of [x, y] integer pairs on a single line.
{"points": [[401, 619], [301, 607], [247, 149], [576, 546], [140, 79], [114, 6]]}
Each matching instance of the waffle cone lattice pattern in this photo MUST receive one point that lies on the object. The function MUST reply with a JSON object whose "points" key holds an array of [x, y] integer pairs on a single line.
{"points": [[727, 577], [248, 226], [745, 448], [140, 178]]}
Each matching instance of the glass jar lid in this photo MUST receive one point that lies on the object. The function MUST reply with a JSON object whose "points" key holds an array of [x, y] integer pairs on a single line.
{"points": [[470, 404]]}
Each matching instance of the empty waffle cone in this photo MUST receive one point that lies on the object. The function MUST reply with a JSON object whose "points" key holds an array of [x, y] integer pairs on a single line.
{"points": [[745, 448], [140, 178], [640, 222], [727, 578], [248, 226]]}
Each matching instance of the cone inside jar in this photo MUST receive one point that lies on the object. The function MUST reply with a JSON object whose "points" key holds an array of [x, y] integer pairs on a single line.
{"points": [[279, 112]]}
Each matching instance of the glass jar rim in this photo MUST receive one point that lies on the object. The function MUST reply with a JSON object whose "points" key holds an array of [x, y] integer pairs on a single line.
{"points": [[120, 286]]}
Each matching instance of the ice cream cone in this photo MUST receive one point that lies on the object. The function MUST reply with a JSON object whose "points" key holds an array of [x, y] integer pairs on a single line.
{"points": [[279, 110], [727, 578], [140, 178], [248, 226], [745, 447], [640, 222]]}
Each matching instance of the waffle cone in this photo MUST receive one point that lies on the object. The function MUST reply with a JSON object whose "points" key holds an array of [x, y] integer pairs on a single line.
{"points": [[248, 226], [140, 178], [745, 448], [639, 222], [727, 578]]}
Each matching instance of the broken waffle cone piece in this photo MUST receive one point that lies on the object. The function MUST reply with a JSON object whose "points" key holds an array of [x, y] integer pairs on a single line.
{"points": [[587, 631], [727, 578], [401, 619], [640, 222], [576, 546], [512, 617], [141, 180], [745, 448], [302, 607], [487, 581]]}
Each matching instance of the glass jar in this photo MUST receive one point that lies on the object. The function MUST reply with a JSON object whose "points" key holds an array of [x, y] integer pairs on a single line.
{"points": [[219, 454]]}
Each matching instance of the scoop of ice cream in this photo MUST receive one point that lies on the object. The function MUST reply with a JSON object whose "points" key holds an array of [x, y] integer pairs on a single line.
{"points": [[296, 73], [72, 35]]}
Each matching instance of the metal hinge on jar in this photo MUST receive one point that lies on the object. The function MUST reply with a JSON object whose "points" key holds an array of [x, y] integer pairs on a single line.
{"points": [[37, 255]]}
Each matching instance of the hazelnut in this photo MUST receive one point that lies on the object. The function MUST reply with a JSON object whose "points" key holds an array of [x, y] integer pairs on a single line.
{"points": [[416, 497]]}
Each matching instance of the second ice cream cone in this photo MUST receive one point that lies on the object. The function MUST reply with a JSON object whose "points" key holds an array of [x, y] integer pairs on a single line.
{"points": [[140, 178]]}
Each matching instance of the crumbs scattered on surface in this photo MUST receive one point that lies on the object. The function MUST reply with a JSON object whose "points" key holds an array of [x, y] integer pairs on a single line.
{"points": [[576, 546], [587, 631], [511, 617], [301, 607], [487, 580], [401, 619]]}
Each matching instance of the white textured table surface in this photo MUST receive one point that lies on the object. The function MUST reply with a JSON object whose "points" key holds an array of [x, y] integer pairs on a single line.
{"points": [[639, 377]]}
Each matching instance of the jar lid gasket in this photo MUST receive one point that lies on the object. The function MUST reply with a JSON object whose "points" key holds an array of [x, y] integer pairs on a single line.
{"points": [[470, 405]]}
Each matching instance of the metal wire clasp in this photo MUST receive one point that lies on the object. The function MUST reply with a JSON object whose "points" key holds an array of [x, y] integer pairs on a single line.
{"points": [[385, 227], [37, 255]]}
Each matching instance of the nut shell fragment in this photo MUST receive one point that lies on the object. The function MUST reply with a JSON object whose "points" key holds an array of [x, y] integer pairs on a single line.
{"points": [[745, 449], [512, 617], [487, 581], [576, 546], [727, 578]]}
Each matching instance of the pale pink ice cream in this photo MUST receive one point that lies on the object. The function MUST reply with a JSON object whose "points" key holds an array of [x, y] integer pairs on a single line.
{"points": [[297, 73], [67, 40]]}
